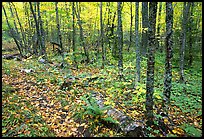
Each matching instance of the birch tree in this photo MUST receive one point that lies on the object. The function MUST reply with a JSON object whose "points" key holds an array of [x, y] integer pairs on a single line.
{"points": [[169, 55], [137, 44], [150, 62]]}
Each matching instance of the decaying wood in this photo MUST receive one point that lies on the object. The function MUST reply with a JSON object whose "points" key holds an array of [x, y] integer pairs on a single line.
{"points": [[128, 126], [11, 56]]}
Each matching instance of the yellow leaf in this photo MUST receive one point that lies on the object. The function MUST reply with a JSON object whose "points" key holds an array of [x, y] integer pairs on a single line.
{"points": [[166, 121], [107, 103], [178, 131], [134, 92], [113, 104], [66, 107], [135, 112], [111, 132], [83, 124], [4, 131], [158, 96], [35, 125], [74, 129], [141, 90]]}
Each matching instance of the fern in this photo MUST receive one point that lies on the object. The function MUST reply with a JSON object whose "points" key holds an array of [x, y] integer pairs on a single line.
{"points": [[91, 108]]}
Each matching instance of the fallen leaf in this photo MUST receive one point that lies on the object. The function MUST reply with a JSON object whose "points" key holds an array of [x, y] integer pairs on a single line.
{"points": [[4, 131], [178, 131]]}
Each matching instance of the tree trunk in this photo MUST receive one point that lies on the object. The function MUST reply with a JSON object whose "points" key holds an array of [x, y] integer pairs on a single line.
{"points": [[159, 46], [68, 17], [12, 32], [144, 28], [169, 55], [150, 62], [73, 35], [128, 126], [81, 33], [113, 37], [21, 29], [59, 32], [120, 42], [131, 18], [137, 77], [102, 46], [28, 31], [190, 36], [97, 45], [108, 26], [37, 29], [43, 49], [17, 32], [183, 43]]}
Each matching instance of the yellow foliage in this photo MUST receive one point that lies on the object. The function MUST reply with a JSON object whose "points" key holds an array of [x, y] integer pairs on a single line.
{"points": [[178, 131]]}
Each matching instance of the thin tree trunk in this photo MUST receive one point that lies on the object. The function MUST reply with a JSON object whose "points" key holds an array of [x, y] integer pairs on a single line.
{"points": [[190, 36], [120, 42], [21, 29], [81, 33], [108, 24], [102, 46], [12, 32], [158, 28], [131, 18], [114, 39], [150, 62], [144, 27], [73, 35], [67, 14], [59, 32], [43, 49], [169, 55], [17, 32], [29, 29], [37, 28], [137, 79], [97, 46], [183, 43]]}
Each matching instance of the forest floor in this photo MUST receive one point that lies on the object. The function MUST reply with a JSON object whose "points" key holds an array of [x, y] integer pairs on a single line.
{"points": [[39, 103]]}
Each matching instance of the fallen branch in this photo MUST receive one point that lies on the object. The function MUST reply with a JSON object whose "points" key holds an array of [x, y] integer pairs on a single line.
{"points": [[128, 126], [11, 56]]}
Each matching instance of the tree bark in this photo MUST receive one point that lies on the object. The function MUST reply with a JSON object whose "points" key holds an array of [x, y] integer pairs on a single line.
{"points": [[113, 37], [81, 33], [37, 28], [183, 41], [131, 18], [144, 28], [12, 32], [59, 32], [120, 42], [102, 46], [159, 46], [43, 49], [169, 56], [150, 62], [108, 25], [73, 35], [191, 36], [137, 44], [21, 29]]}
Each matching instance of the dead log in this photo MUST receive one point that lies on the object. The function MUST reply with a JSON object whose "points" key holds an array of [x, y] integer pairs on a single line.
{"points": [[11, 56], [127, 125]]}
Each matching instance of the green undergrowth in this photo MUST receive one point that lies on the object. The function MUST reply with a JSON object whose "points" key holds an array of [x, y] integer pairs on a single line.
{"points": [[186, 99]]}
